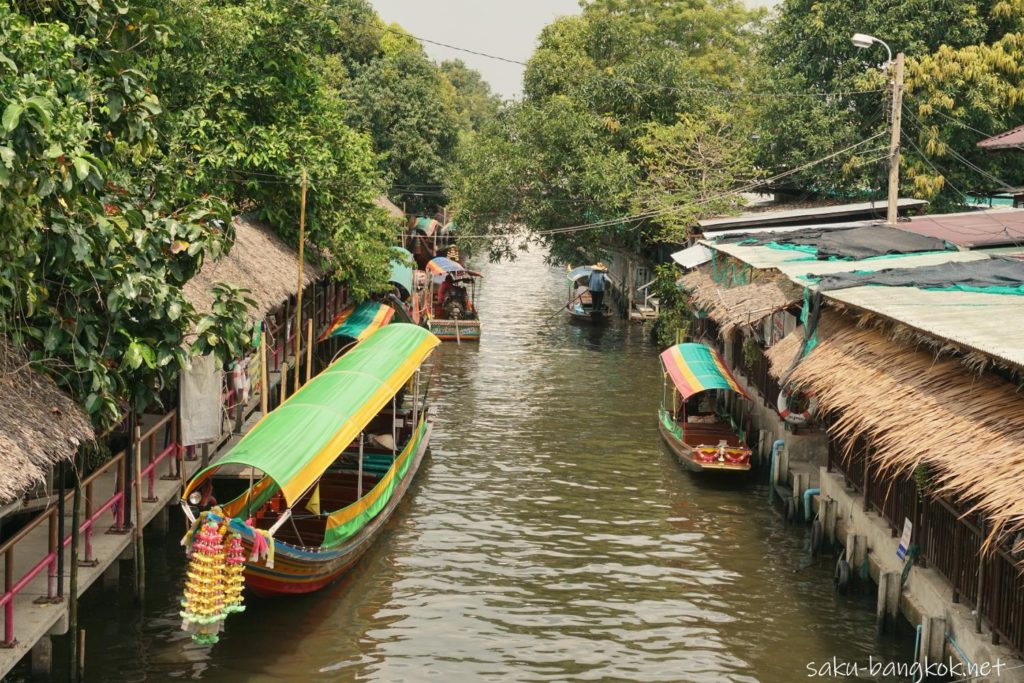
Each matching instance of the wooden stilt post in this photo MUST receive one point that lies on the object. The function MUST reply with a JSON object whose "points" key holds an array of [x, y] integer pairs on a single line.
{"points": [[76, 522], [140, 558], [264, 384], [298, 301], [309, 350]]}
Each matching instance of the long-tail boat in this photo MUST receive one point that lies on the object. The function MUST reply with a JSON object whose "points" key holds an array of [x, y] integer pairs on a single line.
{"points": [[581, 304], [452, 315], [699, 437], [327, 468]]}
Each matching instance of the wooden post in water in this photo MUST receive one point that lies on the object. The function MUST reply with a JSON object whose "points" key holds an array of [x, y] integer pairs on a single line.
{"points": [[284, 383], [140, 557], [309, 350], [264, 385], [298, 300], [76, 522]]}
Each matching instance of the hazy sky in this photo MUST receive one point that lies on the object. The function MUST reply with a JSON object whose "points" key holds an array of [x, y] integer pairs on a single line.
{"points": [[499, 27], [505, 28]]}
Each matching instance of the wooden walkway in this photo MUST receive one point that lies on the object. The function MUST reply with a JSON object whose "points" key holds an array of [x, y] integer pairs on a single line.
{"points": [[30, 613]]}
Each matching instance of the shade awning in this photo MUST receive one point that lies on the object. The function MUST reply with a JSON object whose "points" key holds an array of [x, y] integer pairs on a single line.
{"points": [[691, 257], [695, 368], [441, 266], [401, 269], [298, 441], [359, 322]]}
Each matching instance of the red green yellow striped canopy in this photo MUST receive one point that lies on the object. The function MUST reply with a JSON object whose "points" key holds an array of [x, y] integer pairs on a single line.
{"points": [[695, 368], [359, 322]]}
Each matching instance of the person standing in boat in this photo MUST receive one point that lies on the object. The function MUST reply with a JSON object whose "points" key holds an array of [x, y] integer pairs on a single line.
{"points": [[596, 287]]}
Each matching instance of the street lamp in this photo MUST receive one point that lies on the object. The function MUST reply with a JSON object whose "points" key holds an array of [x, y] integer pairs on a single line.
{"points": [[863, 40]]}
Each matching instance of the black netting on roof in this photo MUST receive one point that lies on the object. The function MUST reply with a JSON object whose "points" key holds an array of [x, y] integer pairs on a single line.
{"points": [[998, 275], [854, 242]]}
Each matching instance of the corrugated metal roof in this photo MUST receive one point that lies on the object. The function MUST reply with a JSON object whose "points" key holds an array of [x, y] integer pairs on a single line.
{"points": [[788, 228], [972, 229], [796, 265], [1005, 140], [804, 214], [691, 257], [990, 323]]}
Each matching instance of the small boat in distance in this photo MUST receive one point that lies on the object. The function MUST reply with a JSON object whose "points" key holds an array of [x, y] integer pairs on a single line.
{"points": [[452, 315], [326, 469], [581, 301], [698, 436]]}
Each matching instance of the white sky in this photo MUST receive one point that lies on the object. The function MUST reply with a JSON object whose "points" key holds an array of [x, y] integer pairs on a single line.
{"points": [[505, 28]]}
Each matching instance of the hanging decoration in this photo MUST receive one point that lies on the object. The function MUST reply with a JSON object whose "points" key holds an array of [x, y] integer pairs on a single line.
{"points": [[216, 578]]}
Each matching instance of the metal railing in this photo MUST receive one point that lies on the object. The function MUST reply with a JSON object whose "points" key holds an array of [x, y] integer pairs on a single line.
{"points": [[114, 503]]}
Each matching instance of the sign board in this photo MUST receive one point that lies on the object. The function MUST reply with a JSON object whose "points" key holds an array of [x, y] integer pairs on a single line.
{"points": [[901, 551]]}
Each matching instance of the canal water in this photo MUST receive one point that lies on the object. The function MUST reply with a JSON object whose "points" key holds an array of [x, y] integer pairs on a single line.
{"points": [[549, 536]]}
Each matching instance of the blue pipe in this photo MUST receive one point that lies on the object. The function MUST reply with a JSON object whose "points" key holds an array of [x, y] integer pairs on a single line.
{"points": [[779, 443], [917, 643], [963, 655], [807, 502]]}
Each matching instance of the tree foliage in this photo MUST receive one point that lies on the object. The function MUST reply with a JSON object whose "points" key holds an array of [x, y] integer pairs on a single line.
{"points": [[129, 135], [605, 92], [962, 62]]}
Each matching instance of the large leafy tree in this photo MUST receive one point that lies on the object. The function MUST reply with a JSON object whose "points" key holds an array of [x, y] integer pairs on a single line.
{"points": [[254, 91], [93, 251], [604, 94], [962, 62], [475, 103]]}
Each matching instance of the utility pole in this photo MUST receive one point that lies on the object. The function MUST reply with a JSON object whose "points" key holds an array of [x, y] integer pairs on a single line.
{"points": [[298, 301], [892, 214]]}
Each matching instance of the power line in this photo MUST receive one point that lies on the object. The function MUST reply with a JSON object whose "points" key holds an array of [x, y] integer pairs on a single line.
{"points": [[632, 84], [757, 183]]}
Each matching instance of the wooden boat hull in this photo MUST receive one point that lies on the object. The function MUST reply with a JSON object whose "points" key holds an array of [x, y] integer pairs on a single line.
{"points": [[588, 317], [300, 570], [685, 455], [455, 330]]}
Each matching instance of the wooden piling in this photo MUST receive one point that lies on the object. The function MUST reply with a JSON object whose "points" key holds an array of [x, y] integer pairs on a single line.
{"points": [[76, 523], [140, 558]]}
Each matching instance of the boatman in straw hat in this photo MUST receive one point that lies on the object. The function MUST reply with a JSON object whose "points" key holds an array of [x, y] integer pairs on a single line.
{"points": [[596, 287]]}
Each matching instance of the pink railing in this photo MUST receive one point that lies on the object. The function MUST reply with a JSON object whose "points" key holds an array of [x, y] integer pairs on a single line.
{"points": [[114, 503]]}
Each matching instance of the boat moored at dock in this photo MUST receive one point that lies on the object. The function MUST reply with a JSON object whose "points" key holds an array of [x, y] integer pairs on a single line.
{"points": [[700, 439], [326, 470]]}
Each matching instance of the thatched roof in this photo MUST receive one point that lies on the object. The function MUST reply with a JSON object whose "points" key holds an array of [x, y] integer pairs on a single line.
{"points": [[389, 206], [39, 424], [920, 409], [742, 305], [259, 261]]}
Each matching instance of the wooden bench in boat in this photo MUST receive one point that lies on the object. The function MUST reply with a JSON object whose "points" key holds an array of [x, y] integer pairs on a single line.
{"points": [[709, 434]]}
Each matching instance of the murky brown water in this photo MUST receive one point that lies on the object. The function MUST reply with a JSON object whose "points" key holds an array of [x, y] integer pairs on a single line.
{"points": [[549, 537]]}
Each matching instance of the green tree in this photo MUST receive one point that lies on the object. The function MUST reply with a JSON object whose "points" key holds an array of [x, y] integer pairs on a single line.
{"points": [[93, 253], [474, 101], [408, 109], [962, 61], [603, 91]]}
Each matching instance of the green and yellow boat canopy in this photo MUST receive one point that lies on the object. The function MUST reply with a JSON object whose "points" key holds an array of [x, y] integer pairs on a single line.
{"points": [[296, 443]]}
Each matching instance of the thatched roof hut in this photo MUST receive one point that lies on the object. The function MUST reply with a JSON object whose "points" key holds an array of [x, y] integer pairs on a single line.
{"points": [[920, 409], [39, 424], [741, 305], [259, 261], [389, 206]]}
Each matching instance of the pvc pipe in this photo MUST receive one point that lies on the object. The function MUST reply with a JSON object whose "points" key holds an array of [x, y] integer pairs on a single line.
{"points": [[963, 655], [807, 502], [773, 477], [917, 643]]}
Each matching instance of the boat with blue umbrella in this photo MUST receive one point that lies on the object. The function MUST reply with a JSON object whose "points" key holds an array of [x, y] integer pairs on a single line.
{"points": [[452, 288]]}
